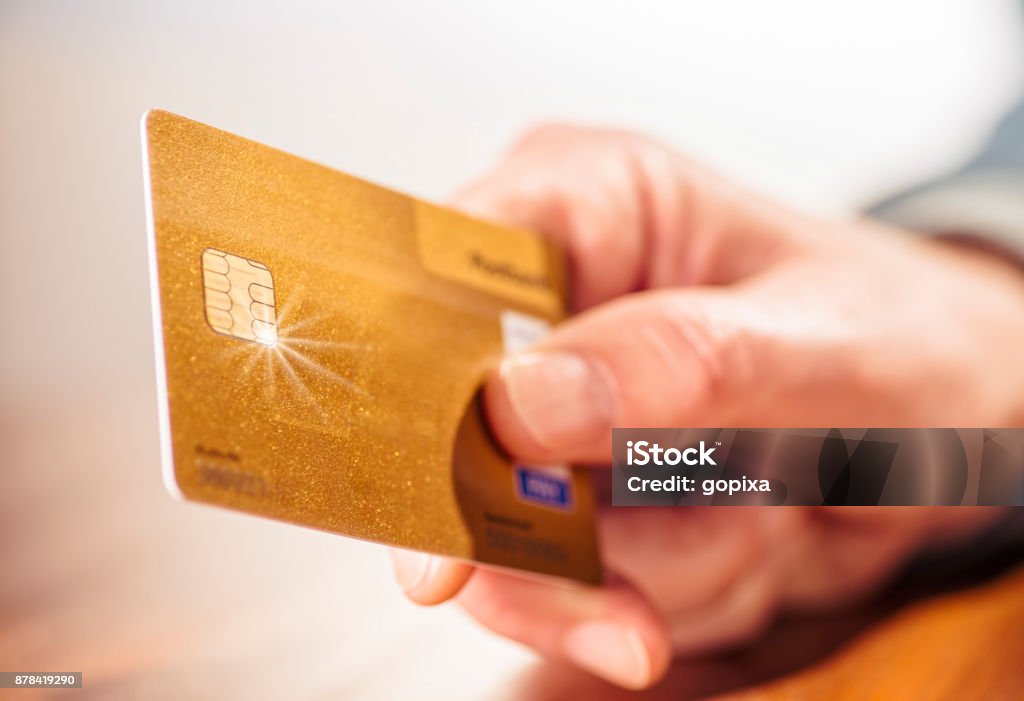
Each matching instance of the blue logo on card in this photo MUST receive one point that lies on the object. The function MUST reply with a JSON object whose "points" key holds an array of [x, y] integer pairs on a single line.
{"points": [[547, 487]]}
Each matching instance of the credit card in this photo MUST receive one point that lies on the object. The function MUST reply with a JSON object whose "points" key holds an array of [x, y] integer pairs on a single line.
{"points": [[321, 342]]}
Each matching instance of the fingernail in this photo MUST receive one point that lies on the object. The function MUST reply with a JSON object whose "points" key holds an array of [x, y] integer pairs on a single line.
{"points": [[413, 570], [560, 398], [611, 651]]}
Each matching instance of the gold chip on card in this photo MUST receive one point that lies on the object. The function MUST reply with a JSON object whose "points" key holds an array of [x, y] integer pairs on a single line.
{"points": [[239, 297]]}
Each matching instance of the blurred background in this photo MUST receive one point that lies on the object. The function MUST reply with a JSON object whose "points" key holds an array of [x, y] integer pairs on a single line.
{"points": [[824, 105]]}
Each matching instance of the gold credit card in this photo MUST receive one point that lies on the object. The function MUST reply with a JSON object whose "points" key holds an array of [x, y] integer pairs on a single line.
{"points": [[321, 343]]}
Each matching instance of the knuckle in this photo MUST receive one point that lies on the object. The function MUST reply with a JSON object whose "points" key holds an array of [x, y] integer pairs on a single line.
{"points": [[702, 339], [548, 135], [543, 134]]}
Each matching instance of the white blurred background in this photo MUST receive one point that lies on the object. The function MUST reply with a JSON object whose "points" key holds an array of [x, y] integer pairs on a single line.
{"points": [[823, 104]]}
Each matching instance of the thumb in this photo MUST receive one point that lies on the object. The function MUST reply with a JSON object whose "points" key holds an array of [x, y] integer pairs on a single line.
{"points": [[678, 357]]}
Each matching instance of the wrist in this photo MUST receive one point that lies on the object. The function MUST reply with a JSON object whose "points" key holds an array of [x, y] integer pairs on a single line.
{"points": [[989, 306]]}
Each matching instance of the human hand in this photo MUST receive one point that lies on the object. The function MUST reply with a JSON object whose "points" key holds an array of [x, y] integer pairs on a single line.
{"points": [[702, 306]]}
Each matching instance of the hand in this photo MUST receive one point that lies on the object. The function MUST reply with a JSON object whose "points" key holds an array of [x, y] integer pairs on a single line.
{"points": [[705, 306]]}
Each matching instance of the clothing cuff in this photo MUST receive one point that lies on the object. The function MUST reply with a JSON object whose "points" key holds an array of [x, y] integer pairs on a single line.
{"points": [[985, 207]]}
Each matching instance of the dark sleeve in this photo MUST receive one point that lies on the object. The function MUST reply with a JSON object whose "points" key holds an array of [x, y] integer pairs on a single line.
{"points": [[984, 200]]}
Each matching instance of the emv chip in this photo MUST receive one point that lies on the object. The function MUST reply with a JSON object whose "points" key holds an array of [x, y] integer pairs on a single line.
{"points": [[239, 297]]}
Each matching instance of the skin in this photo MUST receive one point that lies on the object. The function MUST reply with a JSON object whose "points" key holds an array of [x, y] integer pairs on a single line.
{"points": [[703, 305]]}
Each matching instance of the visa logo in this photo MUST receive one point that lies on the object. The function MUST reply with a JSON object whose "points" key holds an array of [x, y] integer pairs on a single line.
{"points": [[546, 486]]}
